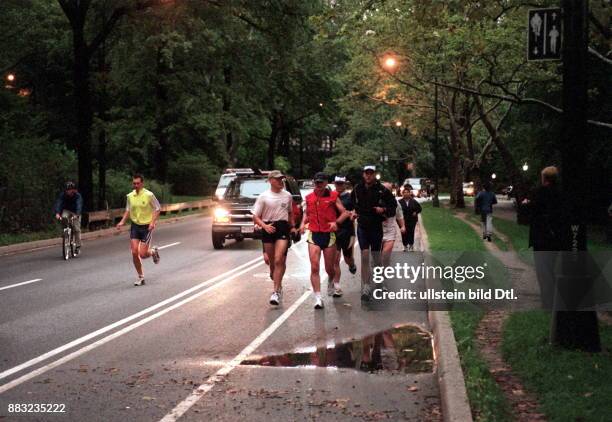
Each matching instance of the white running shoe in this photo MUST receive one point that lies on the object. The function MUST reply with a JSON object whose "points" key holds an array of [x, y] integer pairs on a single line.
{"points": [[337, 291], [319, 303], [275, 299], [140, 281]]}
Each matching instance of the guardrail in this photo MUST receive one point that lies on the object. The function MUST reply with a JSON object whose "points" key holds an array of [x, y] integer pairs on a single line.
{"points": [[111, 215]]}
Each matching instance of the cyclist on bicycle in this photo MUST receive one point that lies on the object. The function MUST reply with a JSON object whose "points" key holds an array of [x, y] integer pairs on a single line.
{"points": [[69, 204]]}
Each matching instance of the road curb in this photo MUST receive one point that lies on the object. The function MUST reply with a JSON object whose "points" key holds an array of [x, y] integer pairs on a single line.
{"points": [[47, 243], [453, 394]]}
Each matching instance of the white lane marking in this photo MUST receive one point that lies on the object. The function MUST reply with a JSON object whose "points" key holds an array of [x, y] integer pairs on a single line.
{"points": [[168, 246], [114, 325], [20, 284], [104, 340], [197, 394]]}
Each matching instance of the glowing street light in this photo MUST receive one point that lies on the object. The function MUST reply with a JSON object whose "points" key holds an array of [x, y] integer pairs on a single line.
{"points": [[10, 77], [398, 123], [390, 63], [377, 176], [494, 176], [525, 167]]}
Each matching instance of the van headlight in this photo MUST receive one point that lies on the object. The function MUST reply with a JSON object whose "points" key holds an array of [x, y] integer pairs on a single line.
{"points": [[221, 215]]}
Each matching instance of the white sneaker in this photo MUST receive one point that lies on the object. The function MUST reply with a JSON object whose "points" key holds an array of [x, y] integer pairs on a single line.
{"points": [[140, 281], [275, 299], [337, 290], [319, 303]]}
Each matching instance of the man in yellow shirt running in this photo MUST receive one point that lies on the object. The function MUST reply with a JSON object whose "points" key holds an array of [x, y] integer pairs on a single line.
{"points": [[143, 210]]}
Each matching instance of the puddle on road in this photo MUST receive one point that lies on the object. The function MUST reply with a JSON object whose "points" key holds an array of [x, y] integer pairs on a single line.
{"points": [[402, 349]]}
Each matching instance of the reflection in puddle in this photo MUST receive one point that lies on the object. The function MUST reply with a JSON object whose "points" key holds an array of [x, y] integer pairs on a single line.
{"points": [[404, 348]]}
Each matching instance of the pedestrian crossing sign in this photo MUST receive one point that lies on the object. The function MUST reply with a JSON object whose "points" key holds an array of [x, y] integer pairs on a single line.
{"points": [[545, 34]]}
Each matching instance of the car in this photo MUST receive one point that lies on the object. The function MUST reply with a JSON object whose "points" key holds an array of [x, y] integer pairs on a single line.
{"points": [[507, 191], [225, 179], [469, 189], [419, 188], [233, 216]]}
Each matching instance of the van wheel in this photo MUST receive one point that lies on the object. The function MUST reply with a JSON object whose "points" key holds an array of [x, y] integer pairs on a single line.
{"points": [[218, 240]]}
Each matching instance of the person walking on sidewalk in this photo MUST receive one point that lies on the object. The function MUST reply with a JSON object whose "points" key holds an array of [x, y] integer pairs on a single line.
{"points": [[142, 207], [390, 229], [484, 206], [324, 211], [411, 210], [345, 236], [373, 204], [273, 213], [69, 203]]}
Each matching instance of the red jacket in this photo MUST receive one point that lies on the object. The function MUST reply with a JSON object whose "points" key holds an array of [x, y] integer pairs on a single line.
{"points": [[321, 210]]}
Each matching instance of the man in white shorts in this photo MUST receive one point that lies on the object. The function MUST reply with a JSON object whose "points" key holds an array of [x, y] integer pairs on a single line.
{"points": [[273, 213]]}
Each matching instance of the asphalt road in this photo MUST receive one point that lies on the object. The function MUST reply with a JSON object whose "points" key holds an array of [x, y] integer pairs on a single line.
{"points": [[84, 338]]}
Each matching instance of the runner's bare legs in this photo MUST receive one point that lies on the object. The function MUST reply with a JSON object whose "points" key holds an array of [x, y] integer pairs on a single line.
{"points": [[277, 255]]}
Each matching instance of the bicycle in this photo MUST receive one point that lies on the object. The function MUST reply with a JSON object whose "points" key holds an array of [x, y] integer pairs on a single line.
{"points": [[68, 238]]}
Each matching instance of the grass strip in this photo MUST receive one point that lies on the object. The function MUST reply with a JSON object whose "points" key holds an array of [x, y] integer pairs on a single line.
{"points": [[447, 233], [570, 385]]}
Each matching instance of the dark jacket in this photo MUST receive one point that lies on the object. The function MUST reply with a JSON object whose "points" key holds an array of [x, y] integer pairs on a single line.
{"points": [[64, 202], [347, 226], [366, 199], [548, 219], [408, 208], [484, 202]]}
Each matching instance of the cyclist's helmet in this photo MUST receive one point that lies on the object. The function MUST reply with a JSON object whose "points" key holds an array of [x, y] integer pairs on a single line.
{"points": [[69, 185]]}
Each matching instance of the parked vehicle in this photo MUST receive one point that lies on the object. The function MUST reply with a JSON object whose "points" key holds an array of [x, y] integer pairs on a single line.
{"points": [[419, 187], [469, 189], [233, 216], [225, 179]]}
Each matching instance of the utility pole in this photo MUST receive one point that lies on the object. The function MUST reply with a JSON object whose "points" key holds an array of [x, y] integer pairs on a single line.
{"points": [[569, 328]]}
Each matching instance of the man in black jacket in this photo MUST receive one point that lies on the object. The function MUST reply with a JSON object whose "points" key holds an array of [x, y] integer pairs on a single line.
{"points": [[547, 230], [373, 204]]}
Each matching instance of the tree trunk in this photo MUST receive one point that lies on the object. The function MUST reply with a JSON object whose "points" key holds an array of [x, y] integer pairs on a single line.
{"points": [[83, 111], [230, 144], [277, 123], [511, 167], [102, 169], [161, 152]]}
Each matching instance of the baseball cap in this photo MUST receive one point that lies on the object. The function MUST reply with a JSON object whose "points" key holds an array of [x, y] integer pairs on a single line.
{"points": [[340, 179], [369, 168], [320, 176], [275, 174]]}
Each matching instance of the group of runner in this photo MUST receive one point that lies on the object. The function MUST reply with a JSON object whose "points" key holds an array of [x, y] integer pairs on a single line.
{"points": [[330, 217]]}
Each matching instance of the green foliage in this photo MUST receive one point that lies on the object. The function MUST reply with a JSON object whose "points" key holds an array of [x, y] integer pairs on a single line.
{"points": [[192, 175], [282, 163]]}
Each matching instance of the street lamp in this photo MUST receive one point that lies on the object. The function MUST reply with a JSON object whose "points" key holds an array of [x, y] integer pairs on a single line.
{"points": [[10, 77], [398, 123], [377, 176], [494, 176], [525, 167], [390, 63]]}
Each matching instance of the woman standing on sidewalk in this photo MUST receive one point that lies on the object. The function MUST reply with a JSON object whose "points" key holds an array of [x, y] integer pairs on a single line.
{"points": [[411, 210]]}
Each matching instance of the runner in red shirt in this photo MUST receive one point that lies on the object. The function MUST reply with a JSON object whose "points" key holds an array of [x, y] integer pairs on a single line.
{"points": [[324, 211]]}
